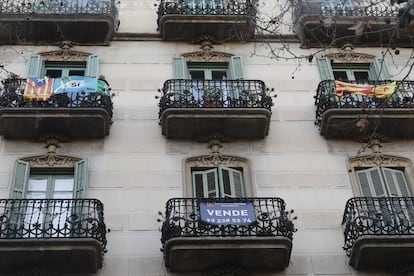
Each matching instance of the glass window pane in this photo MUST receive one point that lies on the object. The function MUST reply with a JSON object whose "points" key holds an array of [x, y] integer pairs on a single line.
{"points": [[218, 75], [37, 184], [361, 76], [54, 73], [63, 195], [340, 75], [36, 195], [197, 74], [76, 72], [64, 184]]}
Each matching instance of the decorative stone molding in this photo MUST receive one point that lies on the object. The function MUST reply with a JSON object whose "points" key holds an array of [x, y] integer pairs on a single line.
{"points": [[347, 55], [216, 158], [65, 53], [207, 54], [377, 158], [51, 159]]}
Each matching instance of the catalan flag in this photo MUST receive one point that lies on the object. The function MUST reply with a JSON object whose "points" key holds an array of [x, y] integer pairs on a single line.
{"points": [[379, 91], [38, 89]]}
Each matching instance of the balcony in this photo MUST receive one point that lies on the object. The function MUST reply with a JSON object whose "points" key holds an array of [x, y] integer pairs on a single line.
{"points": [[379, 232], [192, 243], [51, 21], [67, 115], [188, 20], [362, 23], [355, 115], [57, 235], [237, 109]]}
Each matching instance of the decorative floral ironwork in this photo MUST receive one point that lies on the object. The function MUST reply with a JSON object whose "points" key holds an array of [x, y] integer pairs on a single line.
{"points": [[374, 216], [52, 218], [182, 219], [178, 93], [58, 7], [235, 8], [352, 8], [326, 97], [11, 95]]}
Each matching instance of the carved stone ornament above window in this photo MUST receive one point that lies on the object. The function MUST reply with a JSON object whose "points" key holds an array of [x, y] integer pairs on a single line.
{"points": [[65, 53], [377, 158], [347, 55], [216, 158], [51, 159], [207, 54]]}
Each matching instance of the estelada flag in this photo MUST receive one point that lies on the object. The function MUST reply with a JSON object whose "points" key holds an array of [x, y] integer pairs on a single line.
{"points": [[38, 89], [379, 91]]}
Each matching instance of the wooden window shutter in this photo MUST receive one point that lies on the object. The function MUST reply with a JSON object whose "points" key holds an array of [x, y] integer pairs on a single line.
{"points": [[205, 183], [20, 178], [235, 69], [378, 70], [231, 182], [371, 182], [92, 66], [325, 69], [35, 66], [180, 70], [80, 179], [396, 182]]}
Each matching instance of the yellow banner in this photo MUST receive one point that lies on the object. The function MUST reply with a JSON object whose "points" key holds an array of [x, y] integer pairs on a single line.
{"points": [[379, 91]]}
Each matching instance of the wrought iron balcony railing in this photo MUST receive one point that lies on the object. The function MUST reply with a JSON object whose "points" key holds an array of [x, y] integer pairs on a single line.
{"points": [[59, 7], [52, 219], [182, 219], [216, 7], [327, 98], [376, 216], [362, 8], [178, 93], [12, 96]]}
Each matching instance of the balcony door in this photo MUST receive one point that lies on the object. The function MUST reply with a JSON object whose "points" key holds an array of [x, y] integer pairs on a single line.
{"points": [[219, 181], [382, 183]]}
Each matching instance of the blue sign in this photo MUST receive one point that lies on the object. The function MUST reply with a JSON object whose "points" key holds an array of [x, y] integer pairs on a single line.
{"points": [[231, 213]]}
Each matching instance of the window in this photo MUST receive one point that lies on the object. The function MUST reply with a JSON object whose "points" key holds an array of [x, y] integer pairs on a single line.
{"points": [[382, 181], [205, 177], [205, 6], [38, 67], [52, 183], [376, 70], [217, 182], [208, 83]]}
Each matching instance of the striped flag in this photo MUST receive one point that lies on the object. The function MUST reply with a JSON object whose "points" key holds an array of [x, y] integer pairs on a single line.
{"points": [[379, 91], [38, 89]]}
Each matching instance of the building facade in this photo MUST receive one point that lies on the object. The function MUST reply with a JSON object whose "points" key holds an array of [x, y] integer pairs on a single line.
{"points": [[206, 138]]}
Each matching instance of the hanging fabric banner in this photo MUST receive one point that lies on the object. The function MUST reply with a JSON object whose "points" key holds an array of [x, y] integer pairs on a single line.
{"points": [[38, 89], [75, 84], [379, 91]]}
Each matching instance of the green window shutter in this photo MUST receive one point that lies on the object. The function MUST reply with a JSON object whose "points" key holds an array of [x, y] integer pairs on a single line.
{"points": [[92, 66], [231, 183], [20, 178], [378, 70], [371, 182], [325, 69], [80, 179], [235, 69], [396, 182], [205, 183], [35, 66], [180, 70]]}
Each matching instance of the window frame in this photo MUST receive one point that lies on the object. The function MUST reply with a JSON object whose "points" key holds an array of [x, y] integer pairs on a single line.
{"points": [[377, 69], [23, 170], [36, 66], [209, 161], [360, 163]]}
